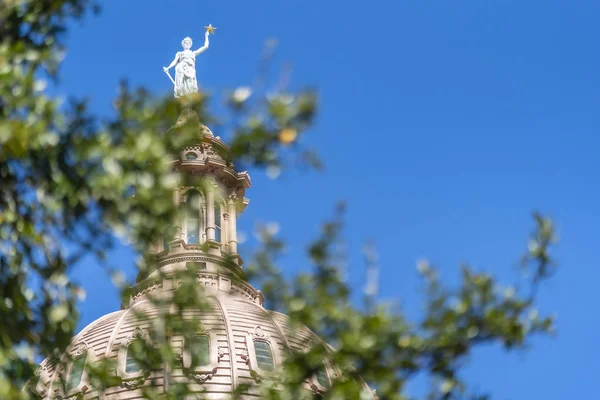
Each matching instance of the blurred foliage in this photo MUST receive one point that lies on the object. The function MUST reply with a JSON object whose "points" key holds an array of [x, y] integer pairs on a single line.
{"points": [[70, 182]]}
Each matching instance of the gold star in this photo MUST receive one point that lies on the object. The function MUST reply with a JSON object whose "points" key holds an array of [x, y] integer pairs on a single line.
{"points": [[210, 29]]}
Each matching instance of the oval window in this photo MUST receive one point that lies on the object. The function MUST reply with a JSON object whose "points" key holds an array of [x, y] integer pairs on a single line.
{"points": [[191, 156]]}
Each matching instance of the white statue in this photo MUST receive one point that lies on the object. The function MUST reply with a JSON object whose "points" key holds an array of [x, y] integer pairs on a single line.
{"points": [[185, 66]]}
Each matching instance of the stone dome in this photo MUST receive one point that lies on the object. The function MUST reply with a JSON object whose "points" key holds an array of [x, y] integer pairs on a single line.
{"points": [[236, 325], [242, 340]]}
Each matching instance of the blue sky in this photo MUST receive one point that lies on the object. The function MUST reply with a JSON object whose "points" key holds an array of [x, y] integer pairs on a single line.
{"points": [[443, 124]]}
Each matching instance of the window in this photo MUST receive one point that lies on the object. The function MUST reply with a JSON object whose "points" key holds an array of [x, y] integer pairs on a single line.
{"points": [[261, 353], [132, 370], [217, 223], [201, 354], [264, 355], [76, 372], [193, 217], [131, 364], [168, 235], [322, 377], [200, 351], [191, 156]]}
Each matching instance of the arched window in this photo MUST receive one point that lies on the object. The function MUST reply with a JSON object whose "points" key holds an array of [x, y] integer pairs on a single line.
{"points": [[320, 382], [193, 217], [168, 235], [201, 354], [191, 156], [132, 366], [217, 222], [261, 353], [76, 372], [76, 376], [200, 351], [323, 377], [133, 372], [264, 355]]}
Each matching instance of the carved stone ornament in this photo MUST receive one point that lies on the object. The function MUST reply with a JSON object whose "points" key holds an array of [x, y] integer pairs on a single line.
{"points": [[137, 334], [202, 330], [227, 181], [133, 383], [39, 371], [259, 333], [79, 350], [205, 147], [308, 345], [201, 378], [78, 395], [147, 289], [245, 355]]}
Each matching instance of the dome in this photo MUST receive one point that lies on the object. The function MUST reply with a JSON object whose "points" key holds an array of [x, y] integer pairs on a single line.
{"points": [[239, 331], [237, 341]]}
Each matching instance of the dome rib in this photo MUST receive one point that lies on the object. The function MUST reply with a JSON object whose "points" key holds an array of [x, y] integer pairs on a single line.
{"points": [[279, 331], [117, 328], [230, 343]]}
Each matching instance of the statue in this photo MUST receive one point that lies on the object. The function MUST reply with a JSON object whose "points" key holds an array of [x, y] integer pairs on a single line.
{"points": [[185, 65]]}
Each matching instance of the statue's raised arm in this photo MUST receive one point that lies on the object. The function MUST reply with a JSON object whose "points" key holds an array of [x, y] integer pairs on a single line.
{"points": [[203, 48]]}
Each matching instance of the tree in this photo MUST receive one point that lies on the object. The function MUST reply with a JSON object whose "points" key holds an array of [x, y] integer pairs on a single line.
{"points": [[71, 181]]}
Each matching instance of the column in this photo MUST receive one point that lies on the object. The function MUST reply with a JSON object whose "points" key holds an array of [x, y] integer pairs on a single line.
{"points": [[177, 232], [232, 227], [210, 214], [203, 222], [225, 231]]}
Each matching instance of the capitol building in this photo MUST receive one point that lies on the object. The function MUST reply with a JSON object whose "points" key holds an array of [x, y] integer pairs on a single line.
{"points": [[238, 341]]}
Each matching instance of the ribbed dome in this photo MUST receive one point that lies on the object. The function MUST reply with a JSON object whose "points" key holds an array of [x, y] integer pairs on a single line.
{"points": [[240, 341], [235, 321]]}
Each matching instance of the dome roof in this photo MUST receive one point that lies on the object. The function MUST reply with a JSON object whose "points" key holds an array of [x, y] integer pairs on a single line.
{"points": [[234, 322], [237, 342]]}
